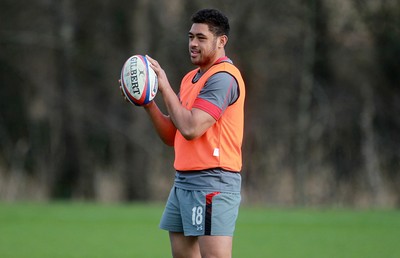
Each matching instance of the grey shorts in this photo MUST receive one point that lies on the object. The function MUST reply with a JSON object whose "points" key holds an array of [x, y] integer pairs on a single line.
{"points": [[199, 213]]}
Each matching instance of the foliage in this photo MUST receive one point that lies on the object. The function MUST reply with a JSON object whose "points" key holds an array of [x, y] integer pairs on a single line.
{"points": [[321, 111]]}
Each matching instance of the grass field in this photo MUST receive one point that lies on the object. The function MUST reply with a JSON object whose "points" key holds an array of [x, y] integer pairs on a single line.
{"points": [[90, 230]]}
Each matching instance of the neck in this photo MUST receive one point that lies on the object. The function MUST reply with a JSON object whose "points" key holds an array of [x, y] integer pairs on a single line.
{"points": [[217, 60]]}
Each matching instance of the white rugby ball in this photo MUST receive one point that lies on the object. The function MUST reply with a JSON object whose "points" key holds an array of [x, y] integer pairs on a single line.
{"points": [[138, 80]]}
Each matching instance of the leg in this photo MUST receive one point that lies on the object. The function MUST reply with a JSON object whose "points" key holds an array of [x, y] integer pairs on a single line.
{"points": [[184, 246], [215, 246]]}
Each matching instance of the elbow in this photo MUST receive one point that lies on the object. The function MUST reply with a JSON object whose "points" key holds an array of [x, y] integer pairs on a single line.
{"points": [[169, 143], [189, 137], [169, 139], [189, 134]]}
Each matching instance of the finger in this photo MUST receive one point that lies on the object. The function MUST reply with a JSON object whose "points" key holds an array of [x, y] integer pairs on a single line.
{"points": [[123, 94], [148, 57], [155, 66], [153, 62]]}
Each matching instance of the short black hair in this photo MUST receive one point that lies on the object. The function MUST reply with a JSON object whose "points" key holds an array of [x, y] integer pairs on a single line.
{"points": [[217, 22]]}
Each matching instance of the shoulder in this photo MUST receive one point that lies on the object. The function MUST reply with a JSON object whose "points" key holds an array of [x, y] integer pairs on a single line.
{"points": [[222, 77], [228, 67], [220, 89], [221, 83]]}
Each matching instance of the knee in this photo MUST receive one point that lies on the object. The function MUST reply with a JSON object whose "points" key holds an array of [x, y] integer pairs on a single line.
{"points": [[186, 254], [216, 255]]}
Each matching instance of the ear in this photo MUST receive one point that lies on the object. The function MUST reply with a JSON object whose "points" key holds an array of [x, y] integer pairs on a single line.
{"points": [[222, 41]]}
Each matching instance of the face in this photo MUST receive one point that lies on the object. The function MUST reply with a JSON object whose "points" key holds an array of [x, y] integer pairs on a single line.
{"points": [[204, 47]]}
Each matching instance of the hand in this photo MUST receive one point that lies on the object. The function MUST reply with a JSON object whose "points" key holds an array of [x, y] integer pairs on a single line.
{"points": [[163, 82], [127, 100]]}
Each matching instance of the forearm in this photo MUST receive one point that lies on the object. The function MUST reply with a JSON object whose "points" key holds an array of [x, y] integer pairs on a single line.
{"points": [[162, 123], [190, 123], [179, 115]]}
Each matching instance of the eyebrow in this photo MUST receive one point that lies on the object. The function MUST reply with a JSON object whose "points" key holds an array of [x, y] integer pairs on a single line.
{"points": [[197, 34]]}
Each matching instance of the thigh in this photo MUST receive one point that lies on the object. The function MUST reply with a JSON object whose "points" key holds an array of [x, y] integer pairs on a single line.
{"points": [[184, 246], [209, 213], [171, 219], [221, 214], [215, 246]]}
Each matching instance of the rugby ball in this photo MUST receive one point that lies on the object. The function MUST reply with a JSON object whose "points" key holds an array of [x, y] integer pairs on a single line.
{"points": [[138, 80]]}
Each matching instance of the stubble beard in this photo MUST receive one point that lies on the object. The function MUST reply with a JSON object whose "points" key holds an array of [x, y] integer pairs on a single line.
{"points": [[203, 60]]}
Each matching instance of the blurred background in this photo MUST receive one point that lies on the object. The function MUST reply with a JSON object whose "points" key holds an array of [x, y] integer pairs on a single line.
{"points": [[322, 107]]}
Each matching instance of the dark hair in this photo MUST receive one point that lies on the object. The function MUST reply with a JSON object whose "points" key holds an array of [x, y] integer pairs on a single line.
{"points": [[217, 22]]}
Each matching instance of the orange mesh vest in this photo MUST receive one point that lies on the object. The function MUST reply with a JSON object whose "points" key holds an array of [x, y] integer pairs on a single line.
{"points": [[220, 146]]}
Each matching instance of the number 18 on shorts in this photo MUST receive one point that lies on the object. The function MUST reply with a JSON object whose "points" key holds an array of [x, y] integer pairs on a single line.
{"points": [[198, 213]]}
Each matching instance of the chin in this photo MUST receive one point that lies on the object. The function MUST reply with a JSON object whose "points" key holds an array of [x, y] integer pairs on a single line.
{"points": [[195, 61]]}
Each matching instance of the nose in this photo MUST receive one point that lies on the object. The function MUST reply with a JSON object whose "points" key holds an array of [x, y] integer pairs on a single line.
{"points": [[193, 42]]}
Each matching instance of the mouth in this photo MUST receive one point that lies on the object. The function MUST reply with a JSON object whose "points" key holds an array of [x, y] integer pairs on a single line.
{"points": [[194, 53]]}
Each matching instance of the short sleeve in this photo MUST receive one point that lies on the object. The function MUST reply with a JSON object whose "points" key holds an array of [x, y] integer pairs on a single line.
{"points": [[220, 91]]}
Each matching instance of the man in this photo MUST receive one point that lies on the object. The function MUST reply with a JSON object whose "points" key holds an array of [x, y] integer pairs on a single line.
{"points": [[205, 125]]}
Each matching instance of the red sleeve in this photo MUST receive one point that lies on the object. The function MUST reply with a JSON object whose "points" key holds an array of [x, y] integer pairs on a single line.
{"points": [[208, 107]]}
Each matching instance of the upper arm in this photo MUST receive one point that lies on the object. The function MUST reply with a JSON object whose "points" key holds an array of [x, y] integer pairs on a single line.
{"points": [[203, 121], [218, 93]]}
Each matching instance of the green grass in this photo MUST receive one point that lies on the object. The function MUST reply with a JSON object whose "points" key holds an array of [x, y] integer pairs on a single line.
{"points": [[317, 233], [118, 231]]}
